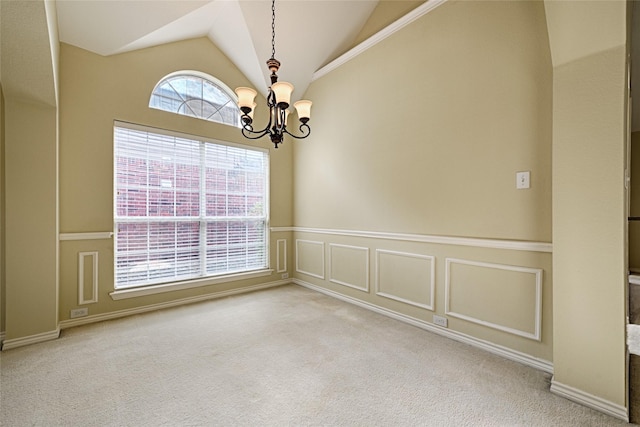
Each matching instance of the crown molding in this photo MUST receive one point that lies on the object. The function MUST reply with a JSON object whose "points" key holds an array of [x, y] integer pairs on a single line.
{"points": [[407, 19]]}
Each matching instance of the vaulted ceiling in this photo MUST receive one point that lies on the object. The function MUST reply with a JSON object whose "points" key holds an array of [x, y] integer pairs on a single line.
{"points": [[309, 33]]}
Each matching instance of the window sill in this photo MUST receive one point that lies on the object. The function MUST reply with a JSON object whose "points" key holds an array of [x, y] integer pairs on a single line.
{"points": [[196, 283]]}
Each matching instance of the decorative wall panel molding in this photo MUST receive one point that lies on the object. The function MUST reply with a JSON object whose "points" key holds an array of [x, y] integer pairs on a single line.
{"points": [[502, 297], [281, 255], [87, 269], [508, 353], [406, 277], [349, 266], [310, 258]]}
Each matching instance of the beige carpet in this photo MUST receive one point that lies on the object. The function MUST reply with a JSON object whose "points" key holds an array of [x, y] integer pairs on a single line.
{"points": [[281, 357]]}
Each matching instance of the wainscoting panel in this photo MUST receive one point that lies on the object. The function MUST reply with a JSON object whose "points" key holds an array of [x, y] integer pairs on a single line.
{"points": [[281, 255], [87, 277], [406, 277], [498, 292], [349, 266], [310, 258], [503, 297]]}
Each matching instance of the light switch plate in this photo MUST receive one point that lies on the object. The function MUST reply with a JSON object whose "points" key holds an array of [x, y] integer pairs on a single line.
{"points": [[523, 180]]}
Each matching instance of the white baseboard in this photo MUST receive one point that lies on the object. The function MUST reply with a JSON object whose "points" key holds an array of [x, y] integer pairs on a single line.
{"points": [[31, 339], [153, 307], [525, 359], [589, 400]]}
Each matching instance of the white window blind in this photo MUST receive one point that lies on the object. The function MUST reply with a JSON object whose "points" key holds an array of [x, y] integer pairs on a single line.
{"points": [[186, 208]]}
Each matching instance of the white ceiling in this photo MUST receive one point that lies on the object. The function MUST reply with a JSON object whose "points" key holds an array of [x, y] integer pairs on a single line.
{"points": [[309, 33]]}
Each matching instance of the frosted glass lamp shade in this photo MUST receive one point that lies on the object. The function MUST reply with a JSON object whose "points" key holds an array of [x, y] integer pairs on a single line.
{"points": [[303, 107], [246, 96], [283, 91]]}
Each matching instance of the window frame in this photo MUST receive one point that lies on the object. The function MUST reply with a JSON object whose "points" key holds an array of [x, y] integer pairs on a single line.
{"points": [[206, 77], [202, 280]]}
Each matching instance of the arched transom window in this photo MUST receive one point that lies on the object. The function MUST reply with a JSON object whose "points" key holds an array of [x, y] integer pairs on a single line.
{"points": [[197, 95]]}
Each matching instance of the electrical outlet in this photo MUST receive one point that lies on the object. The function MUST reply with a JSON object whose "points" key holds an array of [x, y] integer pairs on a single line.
{"points": [[285, 275], [78, 312], [440, 321]]}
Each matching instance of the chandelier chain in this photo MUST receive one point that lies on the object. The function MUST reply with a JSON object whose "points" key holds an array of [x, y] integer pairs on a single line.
{"points": [[273, 29], [278, 100]]}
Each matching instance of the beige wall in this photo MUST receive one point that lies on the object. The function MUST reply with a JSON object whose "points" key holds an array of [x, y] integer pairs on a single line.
{"points": [[423, 135], [97, 90], [386, 12], [30, 236], [578, 29], [429, 139], [31, 219], [589, 224], [2, 219]]}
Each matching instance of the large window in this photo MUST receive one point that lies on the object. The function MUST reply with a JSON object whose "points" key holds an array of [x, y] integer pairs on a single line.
{"points": [[186, 208], [197, 95]]}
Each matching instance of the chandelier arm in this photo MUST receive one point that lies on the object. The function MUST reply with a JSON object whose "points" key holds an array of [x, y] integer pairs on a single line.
{"points": [[247, 132], [302, 128]]}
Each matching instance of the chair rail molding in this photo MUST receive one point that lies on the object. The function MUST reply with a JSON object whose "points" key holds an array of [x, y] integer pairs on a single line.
{"points": [[515, 245]]}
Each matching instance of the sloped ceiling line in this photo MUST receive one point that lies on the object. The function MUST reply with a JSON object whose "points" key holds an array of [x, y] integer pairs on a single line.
{"points": [[308, 33], [418, 12]]}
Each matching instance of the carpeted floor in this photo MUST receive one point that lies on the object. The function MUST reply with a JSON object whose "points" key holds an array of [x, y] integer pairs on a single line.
{"points": [[287, 356]]}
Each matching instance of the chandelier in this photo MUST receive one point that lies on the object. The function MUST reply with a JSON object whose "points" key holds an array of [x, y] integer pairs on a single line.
{"points": [[278, 100]]}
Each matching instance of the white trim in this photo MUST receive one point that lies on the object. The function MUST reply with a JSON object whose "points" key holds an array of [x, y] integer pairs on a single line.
{"points": [[298, 270], [281, 229], [194, 137], [589, 400], [94, 281], [284, 251], [432, 278], [70, 323], [507, 353], [188, 284], [340, 282], [536, 335], [202, 75], [515, 245], [2, 335], [31, 339], [407, 19], [98, 235], [189, 281]]}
